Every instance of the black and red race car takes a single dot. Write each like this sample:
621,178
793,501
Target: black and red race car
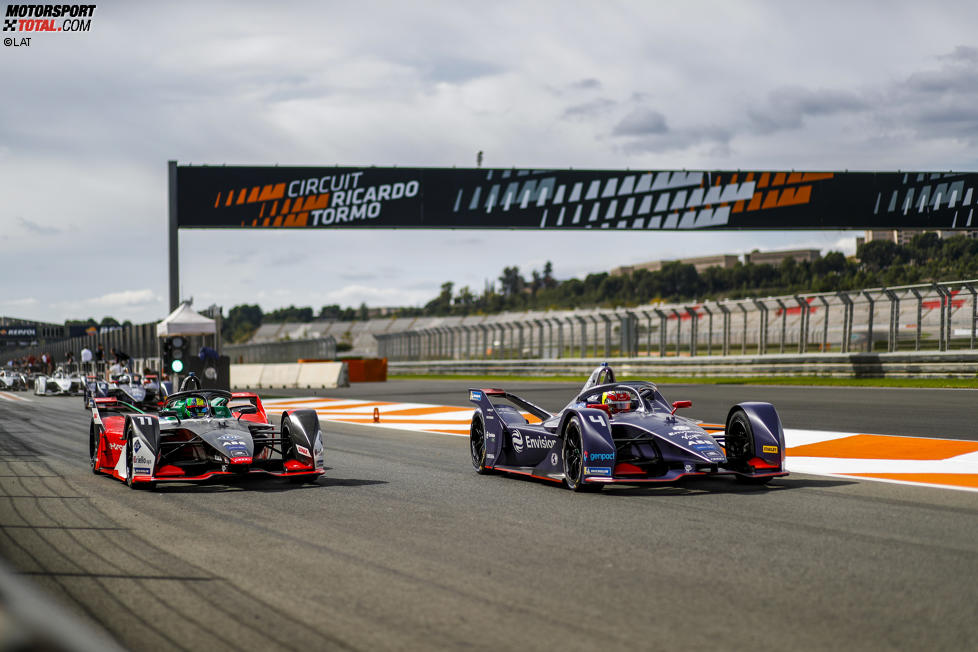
201,434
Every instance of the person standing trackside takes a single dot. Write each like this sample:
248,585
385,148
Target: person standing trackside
86,359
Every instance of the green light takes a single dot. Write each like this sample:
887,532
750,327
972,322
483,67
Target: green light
176,366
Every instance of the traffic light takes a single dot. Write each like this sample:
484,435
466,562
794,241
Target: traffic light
167,353
173,354
177,345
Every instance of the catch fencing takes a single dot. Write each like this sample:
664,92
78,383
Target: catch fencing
925,317
323,348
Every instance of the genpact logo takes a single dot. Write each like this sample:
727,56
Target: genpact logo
598,457
517,438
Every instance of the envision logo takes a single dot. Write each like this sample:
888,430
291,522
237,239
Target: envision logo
517,438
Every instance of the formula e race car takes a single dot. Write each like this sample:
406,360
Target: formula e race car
621,432
12,381
126,387
60,382
200,434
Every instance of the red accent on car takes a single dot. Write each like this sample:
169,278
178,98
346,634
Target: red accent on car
599,406
680,404
296,465
240,460
758,463
624,468
170,470
106,401
494,392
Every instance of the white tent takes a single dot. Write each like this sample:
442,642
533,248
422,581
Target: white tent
185,321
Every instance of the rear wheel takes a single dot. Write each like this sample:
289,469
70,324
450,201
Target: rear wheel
477,445
573,454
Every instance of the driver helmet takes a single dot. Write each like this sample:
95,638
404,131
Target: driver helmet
617,401
192,408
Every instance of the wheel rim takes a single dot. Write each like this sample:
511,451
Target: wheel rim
572,454
477,444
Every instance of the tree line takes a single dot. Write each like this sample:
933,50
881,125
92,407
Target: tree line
878,263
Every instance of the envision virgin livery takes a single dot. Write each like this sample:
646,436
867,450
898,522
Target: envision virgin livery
621,432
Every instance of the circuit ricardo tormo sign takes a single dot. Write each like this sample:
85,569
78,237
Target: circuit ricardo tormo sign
454,198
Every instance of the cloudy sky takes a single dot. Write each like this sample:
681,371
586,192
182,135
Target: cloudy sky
88,122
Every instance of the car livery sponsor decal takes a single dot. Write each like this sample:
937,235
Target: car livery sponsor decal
475,396
539,442
141,470
136,446
770,449
598,457
598,470
553,459
517,438
303,450
680,428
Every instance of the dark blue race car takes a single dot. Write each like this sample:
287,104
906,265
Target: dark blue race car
621,432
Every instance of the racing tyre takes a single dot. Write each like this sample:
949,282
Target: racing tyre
572,452
477,445
94,446
740,445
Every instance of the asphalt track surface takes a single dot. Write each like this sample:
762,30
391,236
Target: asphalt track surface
402,546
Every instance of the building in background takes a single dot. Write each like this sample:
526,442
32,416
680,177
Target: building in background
701,263
777,257
904,236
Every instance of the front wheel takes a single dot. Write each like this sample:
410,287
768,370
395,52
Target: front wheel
573,454
740,446
95,445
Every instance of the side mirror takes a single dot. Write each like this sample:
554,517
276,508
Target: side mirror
168,413
680,404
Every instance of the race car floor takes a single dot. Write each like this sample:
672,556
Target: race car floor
933,462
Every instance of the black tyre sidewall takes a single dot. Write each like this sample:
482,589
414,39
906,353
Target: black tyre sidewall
573,429
478,465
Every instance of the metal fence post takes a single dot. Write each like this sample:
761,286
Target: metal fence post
662,332
974,312
941,344
784,323
679,329
803,325
762,327
709,329
726,328
693,330
872,310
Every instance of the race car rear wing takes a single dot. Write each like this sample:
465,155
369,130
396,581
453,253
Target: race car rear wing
478,395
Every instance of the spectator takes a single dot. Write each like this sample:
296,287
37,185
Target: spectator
120,356
207,353
100,353
86,359
115,369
